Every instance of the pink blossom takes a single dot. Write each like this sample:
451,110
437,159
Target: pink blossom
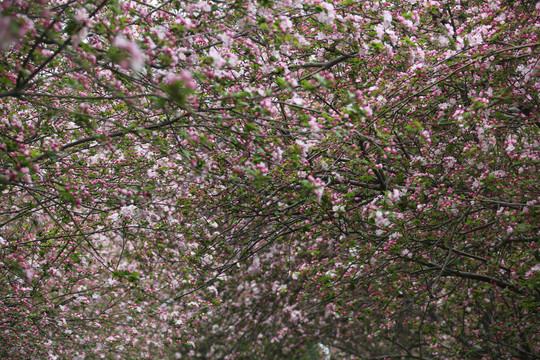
81,14
319,187
285,23
262,168
29,272
387,19
217,60
136,56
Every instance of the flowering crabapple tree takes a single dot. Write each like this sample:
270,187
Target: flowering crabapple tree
269,179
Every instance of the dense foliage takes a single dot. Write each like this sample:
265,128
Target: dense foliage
269,179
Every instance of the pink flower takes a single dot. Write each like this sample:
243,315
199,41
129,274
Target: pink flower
29,272
387,19
285,23
188,80
217,59
13,28
262,168
319,187
81,15
314,126
136,56
380,220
